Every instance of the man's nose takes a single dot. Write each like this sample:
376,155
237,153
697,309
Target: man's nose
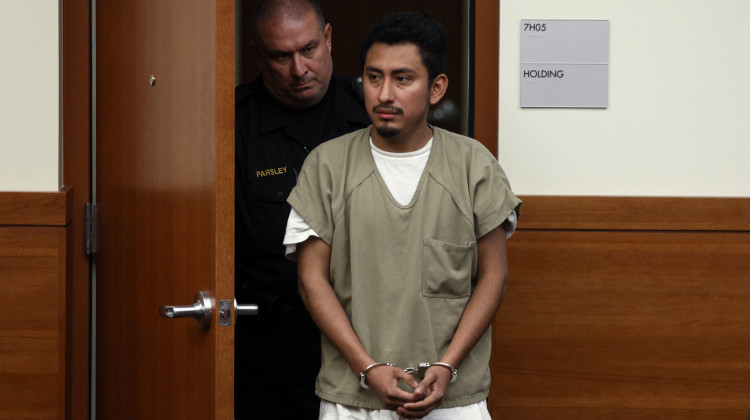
299,68
386,92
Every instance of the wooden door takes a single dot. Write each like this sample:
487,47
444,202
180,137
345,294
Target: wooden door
164,188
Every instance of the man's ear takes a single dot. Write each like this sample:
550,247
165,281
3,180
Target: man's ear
329,39
438,88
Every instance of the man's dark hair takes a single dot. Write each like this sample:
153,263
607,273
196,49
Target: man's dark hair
410,27
271,9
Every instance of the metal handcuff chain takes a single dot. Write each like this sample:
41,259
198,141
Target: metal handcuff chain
418,372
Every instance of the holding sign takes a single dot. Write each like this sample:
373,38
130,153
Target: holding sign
564,63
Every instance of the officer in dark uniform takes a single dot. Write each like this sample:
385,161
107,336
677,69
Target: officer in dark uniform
296,104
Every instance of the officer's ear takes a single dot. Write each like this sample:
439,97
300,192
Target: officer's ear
328,34
359,90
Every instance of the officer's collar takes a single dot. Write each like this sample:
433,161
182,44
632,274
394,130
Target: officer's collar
344,109
272,114
274,117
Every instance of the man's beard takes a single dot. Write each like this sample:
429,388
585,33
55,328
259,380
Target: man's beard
384,130
387,132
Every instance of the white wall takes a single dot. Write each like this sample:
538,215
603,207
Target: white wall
678,121
29,95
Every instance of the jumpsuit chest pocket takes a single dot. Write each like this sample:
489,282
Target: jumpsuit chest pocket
447,269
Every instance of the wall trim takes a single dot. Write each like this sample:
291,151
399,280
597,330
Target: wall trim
36,208
635,213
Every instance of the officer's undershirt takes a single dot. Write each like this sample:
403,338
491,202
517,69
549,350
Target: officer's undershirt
400,172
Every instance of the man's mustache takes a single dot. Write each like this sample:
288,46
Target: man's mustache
387,109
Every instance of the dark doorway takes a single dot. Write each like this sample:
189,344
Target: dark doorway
350,23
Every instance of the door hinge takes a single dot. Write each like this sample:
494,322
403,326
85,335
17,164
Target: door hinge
91,228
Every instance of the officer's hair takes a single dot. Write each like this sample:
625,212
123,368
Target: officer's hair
267,10
410,27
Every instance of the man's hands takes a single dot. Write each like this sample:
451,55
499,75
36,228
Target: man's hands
435,383
427,395
383,380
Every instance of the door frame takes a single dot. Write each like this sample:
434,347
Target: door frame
485,80
75,147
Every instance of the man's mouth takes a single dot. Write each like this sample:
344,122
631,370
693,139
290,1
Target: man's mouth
386,111
302,83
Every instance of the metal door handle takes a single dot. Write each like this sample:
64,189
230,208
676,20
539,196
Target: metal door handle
244,309
201,310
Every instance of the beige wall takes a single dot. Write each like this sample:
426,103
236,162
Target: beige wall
676,124
29,95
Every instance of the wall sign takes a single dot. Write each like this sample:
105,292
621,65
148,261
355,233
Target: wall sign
564,63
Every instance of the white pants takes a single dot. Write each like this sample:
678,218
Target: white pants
331,411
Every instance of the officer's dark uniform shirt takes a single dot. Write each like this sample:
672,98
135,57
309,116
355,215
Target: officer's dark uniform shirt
271,144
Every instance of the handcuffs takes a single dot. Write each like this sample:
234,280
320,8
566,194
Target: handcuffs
419,372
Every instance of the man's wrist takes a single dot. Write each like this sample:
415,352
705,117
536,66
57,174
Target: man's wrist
363,374
454,371
424,366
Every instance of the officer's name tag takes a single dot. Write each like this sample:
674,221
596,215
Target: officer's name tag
270,172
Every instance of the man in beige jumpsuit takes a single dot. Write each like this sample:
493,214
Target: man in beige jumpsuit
401,231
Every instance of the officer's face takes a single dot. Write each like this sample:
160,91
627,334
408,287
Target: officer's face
295,60
398,92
